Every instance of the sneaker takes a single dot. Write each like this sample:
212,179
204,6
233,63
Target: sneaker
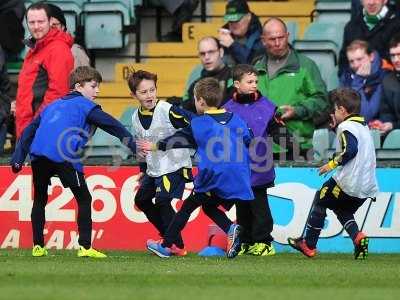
91,252
159,250
301,245
38,251
233,241
176,251
244,248
261,249
360,246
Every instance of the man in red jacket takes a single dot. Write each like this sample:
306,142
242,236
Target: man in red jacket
47,65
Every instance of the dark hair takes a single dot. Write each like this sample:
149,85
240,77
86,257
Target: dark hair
83,74
242,69
209,89
57,13
359,44
394,41
346,97
38,6
210,38
136,77
276,19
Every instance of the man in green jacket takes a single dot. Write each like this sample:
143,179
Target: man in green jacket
293,82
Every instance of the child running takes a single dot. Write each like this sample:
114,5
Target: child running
55,141
354,180
164,173
221,139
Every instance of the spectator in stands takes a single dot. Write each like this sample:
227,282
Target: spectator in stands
47,65
376,24
57,21
182,12
293,82
211,54
241,36
365,76
389,113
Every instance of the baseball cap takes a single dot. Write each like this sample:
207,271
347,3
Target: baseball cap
235,10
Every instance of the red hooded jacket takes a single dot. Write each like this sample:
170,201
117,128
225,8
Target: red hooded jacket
43,77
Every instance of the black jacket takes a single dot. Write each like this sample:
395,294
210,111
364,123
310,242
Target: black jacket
5,87
224,77
378,37
390,102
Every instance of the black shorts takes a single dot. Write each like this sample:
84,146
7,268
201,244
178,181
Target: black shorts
170,185
43,169
333,197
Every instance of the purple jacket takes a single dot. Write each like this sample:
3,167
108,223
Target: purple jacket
257,115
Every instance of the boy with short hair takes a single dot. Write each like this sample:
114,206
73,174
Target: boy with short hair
221,139
164,173
255,216
352,184
55,141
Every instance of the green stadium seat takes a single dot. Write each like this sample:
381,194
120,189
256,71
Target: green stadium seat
323,53
103,144
326,31
104,23
293,29
194,75
332,11
323,144
391,146
126,118
376,137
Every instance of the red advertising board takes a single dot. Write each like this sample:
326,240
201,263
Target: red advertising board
117,223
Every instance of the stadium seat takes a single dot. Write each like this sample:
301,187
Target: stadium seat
126,118
103,144
326,31
292,28
194,75
331,11
392,140
104,24
323,144
376,137
391,146
323,53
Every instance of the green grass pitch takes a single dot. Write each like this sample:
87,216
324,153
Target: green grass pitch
139,275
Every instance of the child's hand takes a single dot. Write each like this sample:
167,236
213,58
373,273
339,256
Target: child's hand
324,169
287,112
145,146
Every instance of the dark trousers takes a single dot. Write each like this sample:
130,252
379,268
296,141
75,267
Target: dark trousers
160,213
209,203
343,205
42,170
255,218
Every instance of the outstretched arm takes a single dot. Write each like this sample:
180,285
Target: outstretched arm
112,126
23,145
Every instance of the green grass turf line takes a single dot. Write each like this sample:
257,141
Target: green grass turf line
139,275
